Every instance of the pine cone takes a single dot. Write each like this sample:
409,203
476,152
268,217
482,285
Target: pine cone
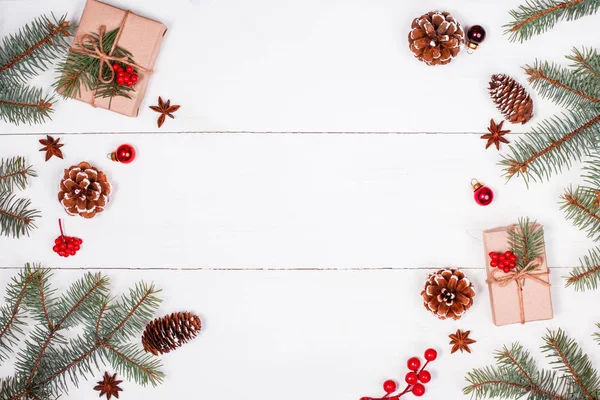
511,99
84,190
170,332
448,293
435,37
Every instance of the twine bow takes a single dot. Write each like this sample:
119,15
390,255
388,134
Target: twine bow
519,278
86,44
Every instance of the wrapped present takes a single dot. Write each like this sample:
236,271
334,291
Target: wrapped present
520,287
140,37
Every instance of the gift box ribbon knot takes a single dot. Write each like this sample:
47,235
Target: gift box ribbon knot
519,278
87,45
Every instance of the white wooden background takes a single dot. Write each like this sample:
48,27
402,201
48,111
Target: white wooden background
304,250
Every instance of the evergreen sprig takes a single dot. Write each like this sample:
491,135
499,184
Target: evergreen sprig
17,218
14,173
587,275
516,374
538,16
527,243
80,71
556,143
49,361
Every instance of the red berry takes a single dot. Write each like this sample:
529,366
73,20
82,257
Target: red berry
129,69
430,354
79,241
513,258
506,269
134,78
121,74
389,386
411,378
493,256
55,249
418,390
413,363
493,263
72,252
507,254
512,265
506,263
58,240
70,246
121,81
424,376
62,247
501,258
115,66
129,83
77,247
61,253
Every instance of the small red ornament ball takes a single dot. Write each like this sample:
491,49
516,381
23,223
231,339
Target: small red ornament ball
418,390
483,195
413,363
411,378
389,386
476,34
424,376
430,354
125,154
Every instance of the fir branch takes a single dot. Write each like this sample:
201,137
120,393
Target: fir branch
582,207
31,50
135,364
586,62
16,216
538,16
527,243
14,173
20,104
587,275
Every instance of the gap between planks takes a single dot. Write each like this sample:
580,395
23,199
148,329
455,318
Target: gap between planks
245,132
255,269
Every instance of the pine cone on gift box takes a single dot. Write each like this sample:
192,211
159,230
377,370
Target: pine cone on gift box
448,293
435,38
84,190
170,332
511,99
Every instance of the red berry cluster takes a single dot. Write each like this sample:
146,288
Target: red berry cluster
66,246
505,261
415,378
125,76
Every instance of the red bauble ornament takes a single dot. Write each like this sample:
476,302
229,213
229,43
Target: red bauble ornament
389,386
125,154
418,390
430,354
413,363
483,194
411,378
424,376
475,35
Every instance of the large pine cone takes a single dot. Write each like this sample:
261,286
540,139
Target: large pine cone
448,293
84,190
170,332
511,99
435,37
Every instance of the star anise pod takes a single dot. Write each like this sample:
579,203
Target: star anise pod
165,109
51,147
109,386
496,135
460,341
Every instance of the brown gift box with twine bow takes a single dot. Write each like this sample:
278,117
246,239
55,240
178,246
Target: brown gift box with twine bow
514,297
140,36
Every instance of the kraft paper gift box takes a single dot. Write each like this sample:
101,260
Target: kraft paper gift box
507,306
140,36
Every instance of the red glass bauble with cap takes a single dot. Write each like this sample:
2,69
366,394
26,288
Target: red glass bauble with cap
483,194
125,154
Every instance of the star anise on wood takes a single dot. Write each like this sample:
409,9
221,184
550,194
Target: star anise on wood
165,109
496,135
51,147
460,341
109,386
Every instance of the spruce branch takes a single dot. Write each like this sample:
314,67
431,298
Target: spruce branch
14,173
586,62
527,243
587,275
17,218
22,104
538,16
582,207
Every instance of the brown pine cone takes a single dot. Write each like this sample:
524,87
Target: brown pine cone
448,293
170,332
84,190
511,99
435,37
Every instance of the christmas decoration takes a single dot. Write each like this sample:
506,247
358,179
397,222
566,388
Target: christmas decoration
66,246
435,38
475,35
51,147
52,356
538,16
106,36
165,109
587,275
460,341
504,261
448,293
511,99
23,56
517,375
496,135
523,293
17,218
125,76
483,195
415,378
84,190
165,334
109,386
125,154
